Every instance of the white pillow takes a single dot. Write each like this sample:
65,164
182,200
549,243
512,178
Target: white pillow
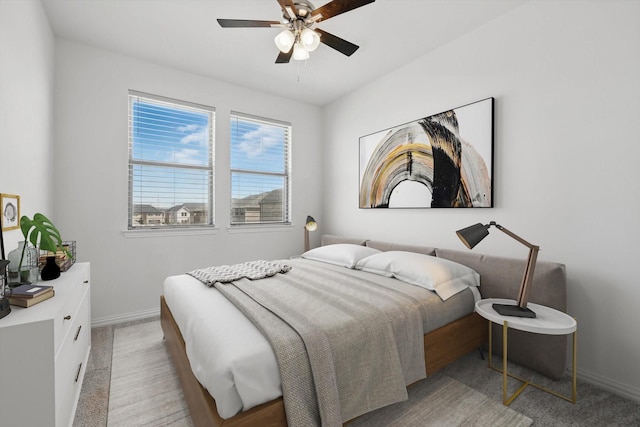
344,254
445,277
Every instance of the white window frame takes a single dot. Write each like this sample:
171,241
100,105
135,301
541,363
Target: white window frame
285,174
208,167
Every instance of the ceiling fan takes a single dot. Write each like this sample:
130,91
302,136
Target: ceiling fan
300,35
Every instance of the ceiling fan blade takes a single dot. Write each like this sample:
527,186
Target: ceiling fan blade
336,7
290,8
246,23
337,43
284,57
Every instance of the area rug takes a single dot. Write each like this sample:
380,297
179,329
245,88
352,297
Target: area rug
145,391
443,401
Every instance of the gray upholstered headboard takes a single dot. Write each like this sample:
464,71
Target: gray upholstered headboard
328,239
500,277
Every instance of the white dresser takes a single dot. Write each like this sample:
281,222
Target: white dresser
43,354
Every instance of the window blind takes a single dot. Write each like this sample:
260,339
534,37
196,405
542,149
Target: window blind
260,167
171,164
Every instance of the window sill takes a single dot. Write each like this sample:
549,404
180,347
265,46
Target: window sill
258,228
169,232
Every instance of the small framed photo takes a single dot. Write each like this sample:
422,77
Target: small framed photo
10,211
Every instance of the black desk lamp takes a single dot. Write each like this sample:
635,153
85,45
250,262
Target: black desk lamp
310,225
472,235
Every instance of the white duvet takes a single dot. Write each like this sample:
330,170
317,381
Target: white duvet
235,363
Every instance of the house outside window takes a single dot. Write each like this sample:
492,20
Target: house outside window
260,170
170,163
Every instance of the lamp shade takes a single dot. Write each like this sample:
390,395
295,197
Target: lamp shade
473,234
311,224
299,52
285,40
310,39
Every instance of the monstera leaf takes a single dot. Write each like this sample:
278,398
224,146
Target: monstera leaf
41,232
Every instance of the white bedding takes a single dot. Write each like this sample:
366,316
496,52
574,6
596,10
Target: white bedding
228,355
235,363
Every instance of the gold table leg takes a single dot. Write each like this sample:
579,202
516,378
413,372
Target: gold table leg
507,400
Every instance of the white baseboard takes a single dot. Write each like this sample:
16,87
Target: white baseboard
105,321
609,385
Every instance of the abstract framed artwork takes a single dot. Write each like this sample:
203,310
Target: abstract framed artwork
439,161
10,211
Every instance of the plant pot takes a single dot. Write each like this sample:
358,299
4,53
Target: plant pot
51,270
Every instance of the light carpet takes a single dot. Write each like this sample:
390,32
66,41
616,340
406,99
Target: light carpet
145,391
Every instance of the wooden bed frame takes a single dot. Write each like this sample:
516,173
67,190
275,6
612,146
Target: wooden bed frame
441,347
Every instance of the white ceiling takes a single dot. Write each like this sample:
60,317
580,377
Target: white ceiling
184,34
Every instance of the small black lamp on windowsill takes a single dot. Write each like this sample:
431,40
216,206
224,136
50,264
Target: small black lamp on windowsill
472,235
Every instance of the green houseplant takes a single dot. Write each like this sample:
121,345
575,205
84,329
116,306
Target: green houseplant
41,232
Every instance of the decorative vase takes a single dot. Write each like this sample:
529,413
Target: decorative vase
51,270
27,272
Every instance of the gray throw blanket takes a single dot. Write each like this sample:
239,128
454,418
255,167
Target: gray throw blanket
228,273
345,346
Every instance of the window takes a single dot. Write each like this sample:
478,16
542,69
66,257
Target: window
260,165
170,162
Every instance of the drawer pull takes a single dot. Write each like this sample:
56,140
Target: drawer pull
78,374
77,333
67,317
86,281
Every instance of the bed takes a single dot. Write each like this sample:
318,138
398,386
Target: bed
447,336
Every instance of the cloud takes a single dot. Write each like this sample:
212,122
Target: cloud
256,142
199,135
189,128
199,138
189,156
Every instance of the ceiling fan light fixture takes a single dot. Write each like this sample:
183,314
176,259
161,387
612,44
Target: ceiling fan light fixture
300,35
285,40
299,52
310,39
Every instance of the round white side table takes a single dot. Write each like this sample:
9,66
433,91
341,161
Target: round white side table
548,321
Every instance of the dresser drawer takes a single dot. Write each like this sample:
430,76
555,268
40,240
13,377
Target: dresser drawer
71,361
73,292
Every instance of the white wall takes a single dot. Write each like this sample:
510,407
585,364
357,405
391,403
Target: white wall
564,75
91,163
565,78
26,109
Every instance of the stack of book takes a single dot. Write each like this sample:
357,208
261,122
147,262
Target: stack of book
28,295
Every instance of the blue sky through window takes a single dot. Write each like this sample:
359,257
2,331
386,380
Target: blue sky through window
260,148
170,135
166,141
257,147
171,155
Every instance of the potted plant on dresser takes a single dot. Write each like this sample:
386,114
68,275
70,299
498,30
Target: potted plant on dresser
41,232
